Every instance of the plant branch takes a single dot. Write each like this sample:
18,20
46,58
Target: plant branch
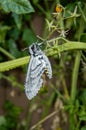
7,53
75,75
8,65
54,50
82,13
43,120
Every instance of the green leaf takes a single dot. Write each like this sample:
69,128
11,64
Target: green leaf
3,31
83,118
83,96
13,48
17,6
28,36
17,19
14,33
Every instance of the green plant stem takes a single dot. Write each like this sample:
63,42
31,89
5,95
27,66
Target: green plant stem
61,22
14,82
41,9
66,94
66,47
48,105
29,115
78,57
5,66
58,93
73,89
8,65
75,76
7,53
72,115
82,13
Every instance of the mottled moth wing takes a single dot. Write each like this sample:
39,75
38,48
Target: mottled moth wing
37,66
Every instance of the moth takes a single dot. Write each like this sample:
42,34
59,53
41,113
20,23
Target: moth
38,65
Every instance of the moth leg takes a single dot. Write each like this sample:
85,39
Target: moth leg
46,71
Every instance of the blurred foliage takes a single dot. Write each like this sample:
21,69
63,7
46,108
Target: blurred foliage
66,19
10,120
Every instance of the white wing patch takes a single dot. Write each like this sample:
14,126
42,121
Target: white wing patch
37,66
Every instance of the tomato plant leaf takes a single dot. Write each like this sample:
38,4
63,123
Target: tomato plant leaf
17,6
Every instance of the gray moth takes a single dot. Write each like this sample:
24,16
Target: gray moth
38,64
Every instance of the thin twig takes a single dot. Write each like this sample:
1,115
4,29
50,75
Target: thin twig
43,120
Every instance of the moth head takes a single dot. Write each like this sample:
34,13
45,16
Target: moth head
34,49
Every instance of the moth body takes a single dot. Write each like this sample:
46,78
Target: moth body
38,64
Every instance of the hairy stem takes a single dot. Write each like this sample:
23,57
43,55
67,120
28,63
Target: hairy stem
54,50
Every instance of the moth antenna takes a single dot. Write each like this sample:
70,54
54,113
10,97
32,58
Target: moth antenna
25,49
